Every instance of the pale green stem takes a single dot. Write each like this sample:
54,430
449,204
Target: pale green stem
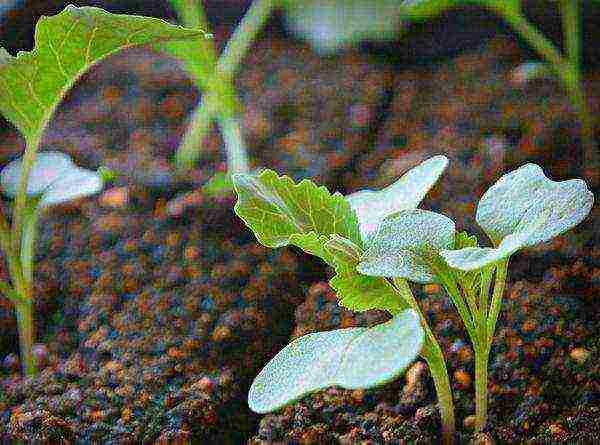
30,221
572,31
31,149
496,305
454,293
244,35
484,292
224,70
481,382
237,156
26,335
567,72
433,355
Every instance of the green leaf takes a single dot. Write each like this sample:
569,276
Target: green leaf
281,213
469,279
405,243
521,209
355,291
218,185
350,358
66,46
329,25
53,177
421,10
406,193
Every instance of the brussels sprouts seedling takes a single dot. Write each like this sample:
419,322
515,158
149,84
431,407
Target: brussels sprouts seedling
32,85
339,230
522,209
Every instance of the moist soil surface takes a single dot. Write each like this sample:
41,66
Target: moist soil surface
155,307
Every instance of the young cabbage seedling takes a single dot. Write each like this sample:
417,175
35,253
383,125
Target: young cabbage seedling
522,209
32,85
54,179
340,230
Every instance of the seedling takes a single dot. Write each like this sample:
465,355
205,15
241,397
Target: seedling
397,243
566,65
337,230
32,85
522,209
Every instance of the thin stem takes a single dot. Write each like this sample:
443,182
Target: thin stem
237,156
31,149
432,353
30,221
496,305
572,30
26,335
481,382
223,103
567,72
244,35
459,302
484,291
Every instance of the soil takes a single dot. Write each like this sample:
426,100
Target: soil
156,307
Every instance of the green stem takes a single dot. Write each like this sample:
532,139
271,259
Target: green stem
433,355
30,221
244,35
31,149
481,382
222,102
496,305
572,30
237,156
26,335
566,70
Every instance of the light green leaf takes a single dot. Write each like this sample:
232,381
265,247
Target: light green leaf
405,243
406,193
355,291
332,24
350,358
49,166
53,177
521,209
281,213
66,46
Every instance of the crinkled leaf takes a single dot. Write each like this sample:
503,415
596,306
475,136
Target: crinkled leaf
521,209
280,212
405,243
54,178
47,168
406,193
332,24
350,358
355,291
66,45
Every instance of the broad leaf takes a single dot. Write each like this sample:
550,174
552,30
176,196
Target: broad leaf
281,213
521,209
54,178
66,45
406,193
405,243
350,358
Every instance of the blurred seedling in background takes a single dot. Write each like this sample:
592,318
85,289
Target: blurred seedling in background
32,85
332,24
565,65
378,242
